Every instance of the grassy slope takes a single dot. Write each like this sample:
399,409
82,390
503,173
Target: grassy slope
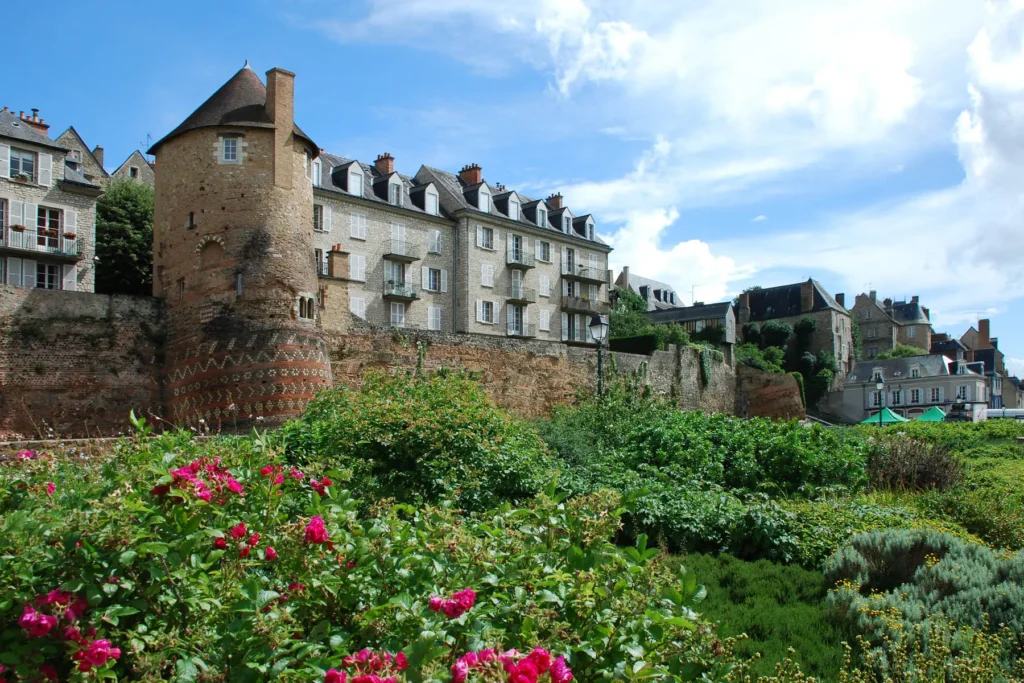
778,607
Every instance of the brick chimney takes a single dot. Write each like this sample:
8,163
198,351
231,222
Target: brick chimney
281,110
984,334
35,122
807,296
472,174
915,299
97,152
555,201
385,163
743,309
887,303
841,299
873,295
337,262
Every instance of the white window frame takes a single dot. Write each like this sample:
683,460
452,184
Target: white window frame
513,209
567,224
542,217
357,226
355,183
318,218
434,318
487,238
487,312
911,331
431,203
21,153
915,396
486,275
357,271
876,399
357,306
429,283
397,314
50,275
936,394
483,201
317,170
229,150
395,194
435,243
545,320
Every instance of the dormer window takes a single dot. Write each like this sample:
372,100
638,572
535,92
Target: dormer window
431,203
542,217
513,209
915,372
567,225
355,183
590,230
484,202
316,173
395,194
877,374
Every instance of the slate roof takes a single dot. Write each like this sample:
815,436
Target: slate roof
13,127
934,365
908,312
81,140
947,347
242,101
333,162
75,177
452,190
784,301
717,311
137,154
634,284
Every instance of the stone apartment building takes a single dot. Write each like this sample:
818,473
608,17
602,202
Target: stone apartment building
791,304
884,324
912,386
264,245
47,208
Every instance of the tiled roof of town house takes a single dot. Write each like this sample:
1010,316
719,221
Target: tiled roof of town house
452,193
934,365
331,162
908,312
75,177
242,101
785,301
686,313
635,282
13,127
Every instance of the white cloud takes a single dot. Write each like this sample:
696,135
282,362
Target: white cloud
1015,366
758,219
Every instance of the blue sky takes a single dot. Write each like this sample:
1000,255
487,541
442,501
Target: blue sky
719,145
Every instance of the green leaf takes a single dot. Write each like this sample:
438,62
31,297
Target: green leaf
154,548
127,557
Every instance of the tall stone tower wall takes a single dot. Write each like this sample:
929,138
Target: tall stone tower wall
233,257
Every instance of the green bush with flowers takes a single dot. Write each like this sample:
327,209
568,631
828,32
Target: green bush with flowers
168,559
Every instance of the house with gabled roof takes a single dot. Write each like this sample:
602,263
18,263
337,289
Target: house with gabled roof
87,162
136,168
658,295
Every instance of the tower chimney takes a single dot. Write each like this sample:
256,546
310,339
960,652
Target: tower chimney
385,164
555,201
873,295
97,152
472,174
841,299
806,296
984,332
281,110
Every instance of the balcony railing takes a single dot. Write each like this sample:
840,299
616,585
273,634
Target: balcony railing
322,268
517,292
521,329
584,304
584,272
399,290
34,240
518,257
404,252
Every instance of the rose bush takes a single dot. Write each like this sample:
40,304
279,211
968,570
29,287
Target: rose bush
167,559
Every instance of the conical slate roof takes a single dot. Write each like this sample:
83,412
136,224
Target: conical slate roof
242,101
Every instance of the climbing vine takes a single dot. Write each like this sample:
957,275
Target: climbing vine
706,356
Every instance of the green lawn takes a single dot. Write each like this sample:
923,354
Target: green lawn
779,607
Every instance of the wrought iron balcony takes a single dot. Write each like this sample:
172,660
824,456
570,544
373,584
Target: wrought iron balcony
584,304
400,291
588,273
519,294
40,241
403,252
521,329
518,258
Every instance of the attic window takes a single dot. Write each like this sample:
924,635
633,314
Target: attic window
355,183
484,201
567,225
430,205
513,209
590,231
133,171
316,173
542,217
395,194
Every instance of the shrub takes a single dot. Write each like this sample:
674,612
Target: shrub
906,464
187,589
752,334
776,333
750,354
901,351
415,439
888,581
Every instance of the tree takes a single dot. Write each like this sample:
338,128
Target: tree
124,239
776,333
901,351
629,316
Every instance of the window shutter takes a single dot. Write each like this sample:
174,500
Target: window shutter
536,248
565,287
70,220
565,326
327,218
28,273
14,271
479,311
565,259
17,209
31,216
545,321
46,169
479,235
497,238
545,285
483,274
70,278
5,161
444,280
509,319
425,274
579,326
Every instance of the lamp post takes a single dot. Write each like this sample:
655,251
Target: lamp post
880,385
599,330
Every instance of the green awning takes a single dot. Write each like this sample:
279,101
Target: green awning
888,418
933,414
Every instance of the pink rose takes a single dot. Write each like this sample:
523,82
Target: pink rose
220,543
95,653
560,672
335,676
270,553
234,486
239,531
523,672
75,611
460,671
50,488
254,539
316,532
436,603
244,552
36,624
401,663
49,671
540,658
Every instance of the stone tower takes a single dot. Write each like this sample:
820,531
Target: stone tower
233,257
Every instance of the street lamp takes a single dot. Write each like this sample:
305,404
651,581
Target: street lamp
599,330
880,385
